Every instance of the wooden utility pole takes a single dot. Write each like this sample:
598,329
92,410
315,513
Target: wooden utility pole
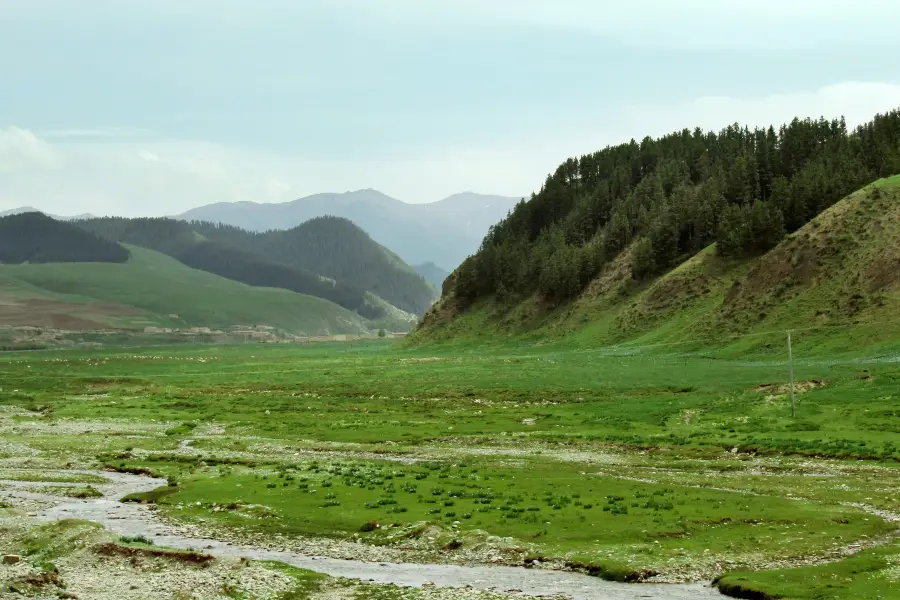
791,367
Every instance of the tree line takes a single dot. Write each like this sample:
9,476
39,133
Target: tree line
665,199
37,238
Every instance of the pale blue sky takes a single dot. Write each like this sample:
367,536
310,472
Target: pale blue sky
155,106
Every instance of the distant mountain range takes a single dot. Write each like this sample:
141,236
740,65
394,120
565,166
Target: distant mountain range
443,232
432,273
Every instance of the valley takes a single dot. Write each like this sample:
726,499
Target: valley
450,300
642,464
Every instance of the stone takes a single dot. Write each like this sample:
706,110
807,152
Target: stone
11,559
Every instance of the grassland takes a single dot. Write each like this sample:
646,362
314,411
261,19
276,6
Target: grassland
152,289
630,462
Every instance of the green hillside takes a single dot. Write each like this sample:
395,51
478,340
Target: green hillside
336,248
154,289
328,258
839,273
679,217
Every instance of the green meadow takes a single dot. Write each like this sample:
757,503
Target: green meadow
631,463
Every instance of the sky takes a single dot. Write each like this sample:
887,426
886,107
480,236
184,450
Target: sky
152,107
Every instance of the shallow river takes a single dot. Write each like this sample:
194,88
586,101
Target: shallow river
133,519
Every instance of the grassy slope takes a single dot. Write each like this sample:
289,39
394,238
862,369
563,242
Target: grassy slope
158,286
841,269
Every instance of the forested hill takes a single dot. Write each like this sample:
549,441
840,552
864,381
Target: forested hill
339,264
336,248
668,198
36,238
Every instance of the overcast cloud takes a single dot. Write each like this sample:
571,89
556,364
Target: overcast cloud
138,107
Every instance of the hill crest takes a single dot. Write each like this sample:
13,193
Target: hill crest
443,232
33,237
841,268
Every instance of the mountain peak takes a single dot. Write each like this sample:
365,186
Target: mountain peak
443,232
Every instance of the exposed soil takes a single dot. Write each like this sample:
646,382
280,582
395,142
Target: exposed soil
41,312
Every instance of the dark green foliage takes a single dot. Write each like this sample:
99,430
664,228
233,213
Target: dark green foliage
643,260
233,263
36,238
350,261
163,235
670,197
336,248
750,230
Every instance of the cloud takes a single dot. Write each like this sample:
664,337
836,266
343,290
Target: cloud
22,150
98,133
156,176
149,156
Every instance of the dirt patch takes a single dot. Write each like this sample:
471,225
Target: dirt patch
30,584
112,549
132,470
73,323
884,273
795,263
41,312
800,387
669,291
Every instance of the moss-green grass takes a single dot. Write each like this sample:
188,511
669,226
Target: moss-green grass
50,477
871,574
160,286
555,507
650,431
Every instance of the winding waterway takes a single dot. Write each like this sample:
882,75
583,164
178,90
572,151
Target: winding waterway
134,519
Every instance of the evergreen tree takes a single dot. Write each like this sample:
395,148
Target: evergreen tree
675,195
37,238
643,259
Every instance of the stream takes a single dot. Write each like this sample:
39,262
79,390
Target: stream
134,519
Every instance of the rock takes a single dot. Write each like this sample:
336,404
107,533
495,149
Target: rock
11,559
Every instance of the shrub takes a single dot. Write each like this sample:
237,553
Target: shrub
369,526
